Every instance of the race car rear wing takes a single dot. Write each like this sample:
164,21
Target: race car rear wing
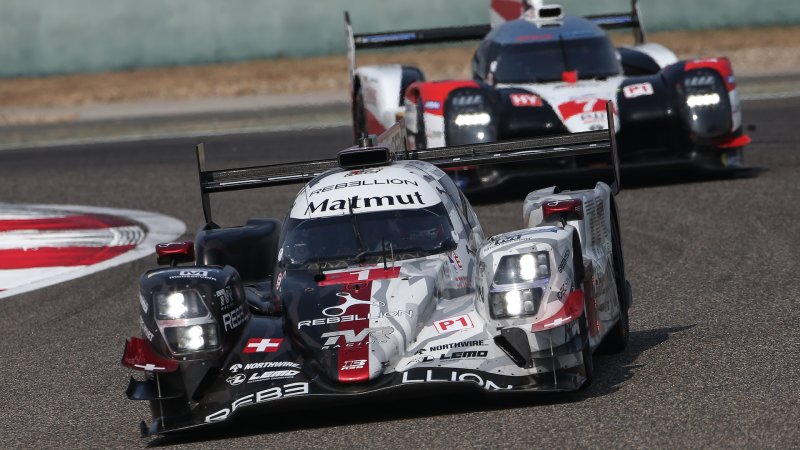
406,37
621,21
391,146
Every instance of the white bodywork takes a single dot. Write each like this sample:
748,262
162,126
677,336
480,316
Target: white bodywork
380,88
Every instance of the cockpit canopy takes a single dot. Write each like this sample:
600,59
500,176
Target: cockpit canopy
523,52
336,242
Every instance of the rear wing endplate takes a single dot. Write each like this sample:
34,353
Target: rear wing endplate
393,144
622,21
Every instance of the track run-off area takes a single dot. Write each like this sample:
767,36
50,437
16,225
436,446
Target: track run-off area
713,362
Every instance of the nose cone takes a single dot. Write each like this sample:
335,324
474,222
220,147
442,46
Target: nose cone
355,330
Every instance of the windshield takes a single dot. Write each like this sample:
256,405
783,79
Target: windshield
546,61
337,242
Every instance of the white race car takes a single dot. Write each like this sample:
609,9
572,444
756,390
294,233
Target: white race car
381,278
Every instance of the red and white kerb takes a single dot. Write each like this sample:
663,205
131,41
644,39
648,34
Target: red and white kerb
41,245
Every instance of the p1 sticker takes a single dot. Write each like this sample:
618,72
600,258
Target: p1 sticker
453,324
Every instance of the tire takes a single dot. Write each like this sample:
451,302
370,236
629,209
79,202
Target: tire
617,338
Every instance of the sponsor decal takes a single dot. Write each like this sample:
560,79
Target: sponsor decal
363,171
266,395
225,297
234,318
638,90
236,379
455,260
272,365
356,202
272,375
525,100
432,104
423,358
351,339
563,262
264,365
335,311
467,354
280,277
145,331
519,237
193,274
434,348
362,183
354,364
262,345
453,324
563,290
588,109
353,318
452,376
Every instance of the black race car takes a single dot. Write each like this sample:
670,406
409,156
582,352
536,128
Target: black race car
538,72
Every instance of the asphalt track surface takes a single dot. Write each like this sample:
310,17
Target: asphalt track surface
714,358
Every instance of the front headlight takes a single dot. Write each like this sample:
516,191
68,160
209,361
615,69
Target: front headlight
524,268
517,285
472,119
515,303
185,322
699,100
192,338
179,305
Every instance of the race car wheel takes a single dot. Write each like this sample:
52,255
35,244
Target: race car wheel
617,338
359,117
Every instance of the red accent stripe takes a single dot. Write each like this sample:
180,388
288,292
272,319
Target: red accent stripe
437,91
357,276
576,107
508,9
721,65
58,256
82,222
739,141
351,359
373,126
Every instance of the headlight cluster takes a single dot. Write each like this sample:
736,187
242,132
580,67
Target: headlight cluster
472,119
707,111
515,303
523,268
185,322
468,118
702,89
516,290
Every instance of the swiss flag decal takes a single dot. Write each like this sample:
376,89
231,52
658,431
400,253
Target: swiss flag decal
263,345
